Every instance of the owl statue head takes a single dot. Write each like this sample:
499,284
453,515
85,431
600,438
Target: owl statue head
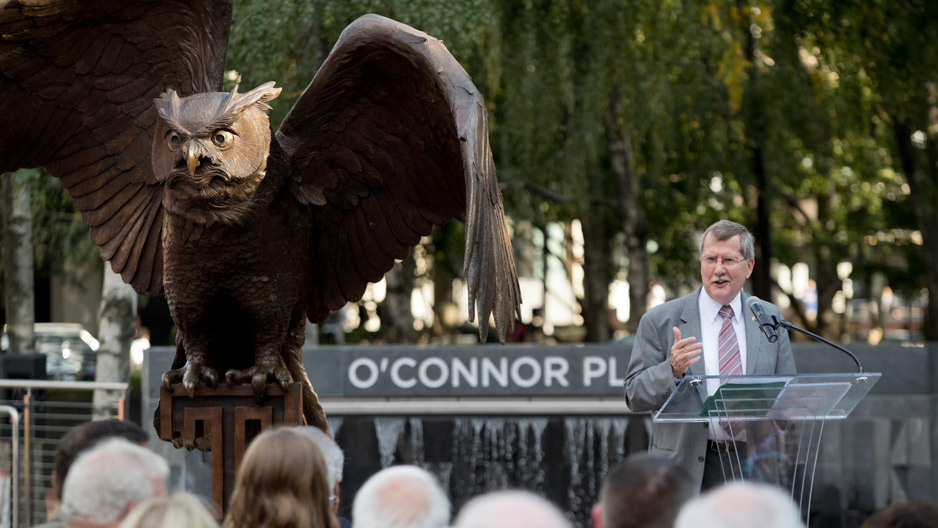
210,149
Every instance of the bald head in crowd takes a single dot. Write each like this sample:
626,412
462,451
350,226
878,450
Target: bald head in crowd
741,505
643,491
106,482
510,509
401,497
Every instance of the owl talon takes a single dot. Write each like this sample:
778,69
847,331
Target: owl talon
258,376
232,378
192,376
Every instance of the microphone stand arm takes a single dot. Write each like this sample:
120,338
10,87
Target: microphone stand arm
788,326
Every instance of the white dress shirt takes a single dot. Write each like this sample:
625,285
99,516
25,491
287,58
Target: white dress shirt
711,322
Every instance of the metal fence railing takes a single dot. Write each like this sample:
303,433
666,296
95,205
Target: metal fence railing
37,416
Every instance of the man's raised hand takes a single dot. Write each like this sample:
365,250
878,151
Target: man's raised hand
684,353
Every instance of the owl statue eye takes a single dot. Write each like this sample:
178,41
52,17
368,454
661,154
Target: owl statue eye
222,138
174,141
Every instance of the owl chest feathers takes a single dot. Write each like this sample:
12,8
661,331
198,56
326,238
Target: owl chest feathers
248,230
269,250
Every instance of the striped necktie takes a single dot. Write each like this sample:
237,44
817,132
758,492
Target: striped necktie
730,362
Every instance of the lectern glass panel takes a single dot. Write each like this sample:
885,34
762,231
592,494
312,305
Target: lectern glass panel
769,427
753,398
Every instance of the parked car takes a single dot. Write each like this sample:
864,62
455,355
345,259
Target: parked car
70,350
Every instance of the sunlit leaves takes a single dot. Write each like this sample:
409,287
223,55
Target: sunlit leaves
818,98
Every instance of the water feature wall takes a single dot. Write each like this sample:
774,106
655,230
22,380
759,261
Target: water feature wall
563,458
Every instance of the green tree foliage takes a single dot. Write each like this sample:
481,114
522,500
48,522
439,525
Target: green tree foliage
864,80
741,110
814,122
61,244
60,238
778,114
286,42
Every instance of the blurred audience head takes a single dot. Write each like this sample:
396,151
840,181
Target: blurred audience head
179,510
904,515
281,482
107,481
643,491
401,497
83,436
335,460
510,509
741,505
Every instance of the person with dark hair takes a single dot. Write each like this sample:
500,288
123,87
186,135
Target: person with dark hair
904,515
705,333
77,440
282,483
643,491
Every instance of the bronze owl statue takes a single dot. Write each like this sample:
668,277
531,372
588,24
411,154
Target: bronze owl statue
249,233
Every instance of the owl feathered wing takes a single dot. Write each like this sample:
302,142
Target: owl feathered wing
77,82
389,139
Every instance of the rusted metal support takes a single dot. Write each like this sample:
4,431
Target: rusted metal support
223,421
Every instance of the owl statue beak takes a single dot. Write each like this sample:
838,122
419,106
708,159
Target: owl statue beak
192,158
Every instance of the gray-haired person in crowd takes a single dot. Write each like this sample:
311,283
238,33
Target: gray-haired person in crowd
76,441
741,505
106,482
179,510
335,461
511,509
401,497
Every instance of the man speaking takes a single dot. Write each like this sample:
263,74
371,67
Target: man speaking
705,333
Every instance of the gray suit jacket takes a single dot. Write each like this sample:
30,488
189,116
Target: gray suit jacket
649,381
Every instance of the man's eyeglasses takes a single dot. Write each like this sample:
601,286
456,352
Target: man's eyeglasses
728,263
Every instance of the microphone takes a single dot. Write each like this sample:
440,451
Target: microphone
765,324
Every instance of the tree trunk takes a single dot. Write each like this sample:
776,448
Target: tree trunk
761,279
445,270
400,287
828,284
631,211
18,261
925,215
755,131
547,325
443,301
118,315
595,304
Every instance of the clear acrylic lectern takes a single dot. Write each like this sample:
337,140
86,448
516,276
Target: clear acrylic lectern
774,423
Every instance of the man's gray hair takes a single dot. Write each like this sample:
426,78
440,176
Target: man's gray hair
335,458
401,497
725,230
741,505
106,480
510,509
